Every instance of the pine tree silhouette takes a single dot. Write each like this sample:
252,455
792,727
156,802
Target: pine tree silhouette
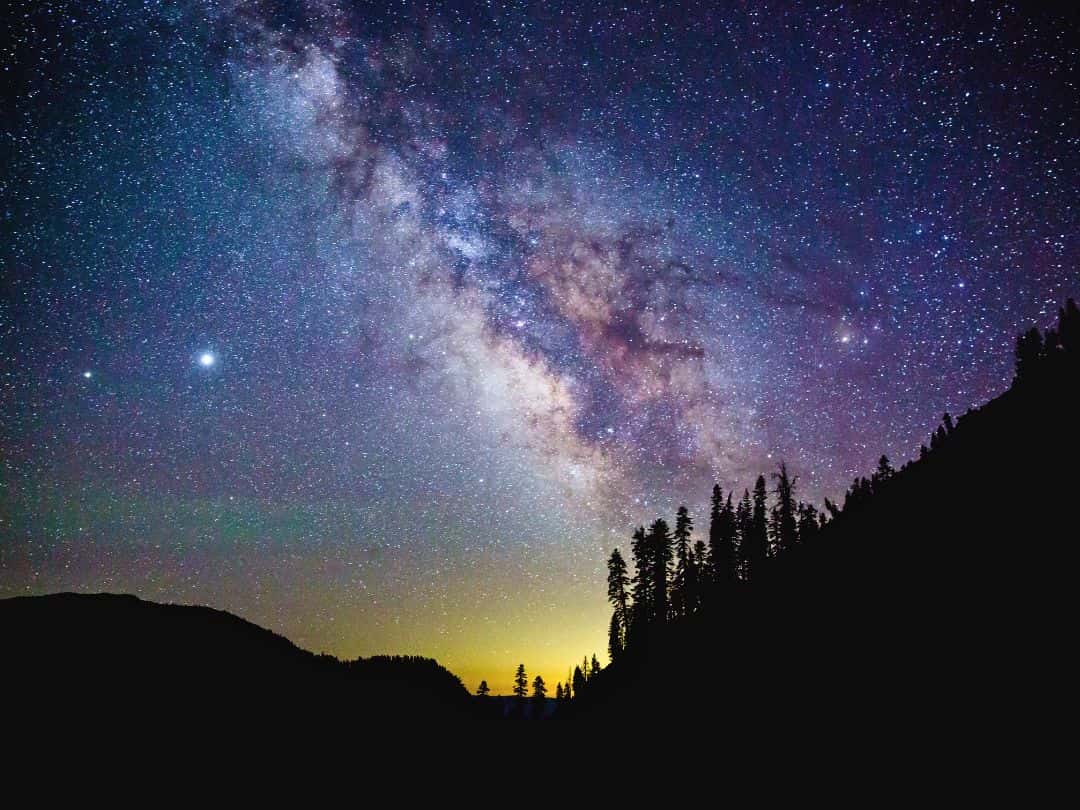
642,609
539,692
716,506
759,530
482,690
809,524
1069,328
723,540
744,522
521,684
579,682
785,528
679,581
698,576
1029,354
662,554
883,472
615,638
618,583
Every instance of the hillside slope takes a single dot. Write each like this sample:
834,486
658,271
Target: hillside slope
143,665
940,605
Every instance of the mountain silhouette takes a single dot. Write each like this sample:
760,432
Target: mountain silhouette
157,668
931,611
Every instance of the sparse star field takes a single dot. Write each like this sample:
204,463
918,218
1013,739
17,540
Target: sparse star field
380,324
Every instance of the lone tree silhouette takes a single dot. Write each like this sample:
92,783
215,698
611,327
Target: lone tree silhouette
539,692
521,684
482,690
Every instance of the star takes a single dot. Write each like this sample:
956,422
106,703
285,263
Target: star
207,359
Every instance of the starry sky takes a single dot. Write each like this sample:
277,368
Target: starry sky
380,324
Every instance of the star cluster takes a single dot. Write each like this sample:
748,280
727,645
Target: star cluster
380,324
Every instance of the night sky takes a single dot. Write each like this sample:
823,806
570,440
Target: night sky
381,324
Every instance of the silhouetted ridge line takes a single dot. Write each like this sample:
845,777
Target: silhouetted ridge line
935,587
144,662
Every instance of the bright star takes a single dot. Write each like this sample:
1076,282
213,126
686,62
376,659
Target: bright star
206,359
88,374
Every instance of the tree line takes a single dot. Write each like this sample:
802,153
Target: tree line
576,682
675,576
672,574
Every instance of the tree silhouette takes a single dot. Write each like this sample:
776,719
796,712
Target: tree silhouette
883,472
684,525
615,638
558,692
744,523
698,576
722,540
1069,328
784,523
1029,354
642,609
716,506
661,553
758,541
521,684
809,524
579,681
594,667
539,693
618,583
861,490
482,690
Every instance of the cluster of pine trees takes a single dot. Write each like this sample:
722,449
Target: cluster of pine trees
674,577
1038,357
575,683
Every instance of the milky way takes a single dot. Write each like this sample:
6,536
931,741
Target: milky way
381,325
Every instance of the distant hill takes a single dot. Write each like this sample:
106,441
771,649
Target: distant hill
147,665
